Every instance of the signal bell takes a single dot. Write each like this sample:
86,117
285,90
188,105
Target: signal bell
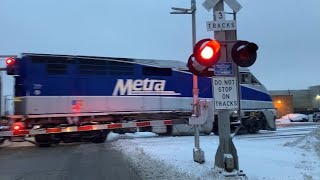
206,53
244,53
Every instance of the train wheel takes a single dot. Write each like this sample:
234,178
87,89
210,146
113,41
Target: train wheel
253,125
43,140
100,136
99,140
2,140
252,130
169,131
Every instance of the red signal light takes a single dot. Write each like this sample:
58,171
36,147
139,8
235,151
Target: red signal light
244,53
16,127
211,49
207,52
10,61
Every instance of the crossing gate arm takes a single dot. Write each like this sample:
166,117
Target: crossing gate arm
86,128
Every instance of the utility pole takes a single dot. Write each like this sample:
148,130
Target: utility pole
198,154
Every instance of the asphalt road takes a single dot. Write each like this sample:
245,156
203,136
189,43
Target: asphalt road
65,162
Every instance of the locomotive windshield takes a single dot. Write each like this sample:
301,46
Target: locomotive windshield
248,78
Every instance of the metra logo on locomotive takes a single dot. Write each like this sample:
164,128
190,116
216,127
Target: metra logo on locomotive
141,87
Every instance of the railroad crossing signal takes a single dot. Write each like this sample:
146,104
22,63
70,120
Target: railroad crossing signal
226,87
206,53
11,65
10,61
244,53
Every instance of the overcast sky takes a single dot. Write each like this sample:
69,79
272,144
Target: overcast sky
287,32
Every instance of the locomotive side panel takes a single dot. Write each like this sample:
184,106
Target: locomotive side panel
64,86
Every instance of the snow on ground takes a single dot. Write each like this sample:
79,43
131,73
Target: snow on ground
310,142
10,144
290,118
113,136
283,121
172,158
141,134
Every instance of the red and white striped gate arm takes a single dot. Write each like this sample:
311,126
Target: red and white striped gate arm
86,128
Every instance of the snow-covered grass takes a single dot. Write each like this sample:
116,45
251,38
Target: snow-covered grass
265,158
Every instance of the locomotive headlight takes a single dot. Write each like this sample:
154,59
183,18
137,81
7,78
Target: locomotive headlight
234,113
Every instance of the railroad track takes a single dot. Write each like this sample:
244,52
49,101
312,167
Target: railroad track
280,133
274,136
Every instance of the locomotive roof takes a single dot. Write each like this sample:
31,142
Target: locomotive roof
149,62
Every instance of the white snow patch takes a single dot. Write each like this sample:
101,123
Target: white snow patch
147,166
141,134
31,138
172,158
295,117
283,121
113,136
10,144
289,118
310,142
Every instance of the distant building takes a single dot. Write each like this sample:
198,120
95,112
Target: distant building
297,101
283,104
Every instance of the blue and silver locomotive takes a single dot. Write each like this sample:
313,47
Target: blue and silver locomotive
108,89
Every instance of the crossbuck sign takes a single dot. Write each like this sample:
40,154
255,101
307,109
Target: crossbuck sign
233,4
